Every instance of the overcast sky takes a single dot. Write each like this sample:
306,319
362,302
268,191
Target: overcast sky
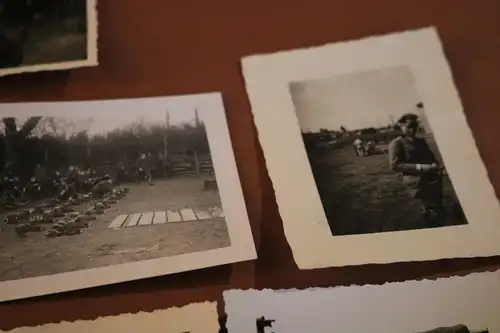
357,100
109,114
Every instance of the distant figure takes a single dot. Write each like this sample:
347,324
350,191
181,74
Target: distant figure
121,172
143,168
74,179
67,186
369,148
411,157
261,324
150,163
38,184
359,147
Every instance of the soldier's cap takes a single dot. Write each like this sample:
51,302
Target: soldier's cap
408,117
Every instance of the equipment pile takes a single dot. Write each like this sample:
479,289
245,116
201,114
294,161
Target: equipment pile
63,216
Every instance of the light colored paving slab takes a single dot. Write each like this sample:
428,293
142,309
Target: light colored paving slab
160,217
173,216
118,221
132,220
146,218
188,215
203,214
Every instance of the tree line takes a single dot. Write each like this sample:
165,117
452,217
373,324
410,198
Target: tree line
51,142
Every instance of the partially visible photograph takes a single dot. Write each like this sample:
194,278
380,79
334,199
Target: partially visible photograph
86,186
466,304
192,318
46,35
373,155
264,325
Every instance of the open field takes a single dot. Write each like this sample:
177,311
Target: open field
363,195
56,42
98,246
50,42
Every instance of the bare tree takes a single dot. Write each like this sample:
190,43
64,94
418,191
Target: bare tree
14,137
62,127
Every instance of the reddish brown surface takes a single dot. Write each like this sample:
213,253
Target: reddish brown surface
168,48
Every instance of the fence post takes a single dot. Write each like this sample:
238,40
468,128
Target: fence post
196,162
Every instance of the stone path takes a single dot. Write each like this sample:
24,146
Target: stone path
165,216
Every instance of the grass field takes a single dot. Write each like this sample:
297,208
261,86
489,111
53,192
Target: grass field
55,42
99,246
50,41
363,195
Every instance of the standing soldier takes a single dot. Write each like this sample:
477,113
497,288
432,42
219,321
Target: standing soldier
149,168
359,146
369,148
143,168
411,157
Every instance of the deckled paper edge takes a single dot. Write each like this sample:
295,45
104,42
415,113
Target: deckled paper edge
237,301
306,256
242,247
432,279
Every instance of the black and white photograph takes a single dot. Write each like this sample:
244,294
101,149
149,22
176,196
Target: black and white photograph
370,153
467,304
375,162
47,35
87,185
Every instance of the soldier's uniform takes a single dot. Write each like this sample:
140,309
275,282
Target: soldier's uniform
358,147
406,154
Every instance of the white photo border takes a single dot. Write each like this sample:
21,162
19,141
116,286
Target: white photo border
267,79
92,50
211,110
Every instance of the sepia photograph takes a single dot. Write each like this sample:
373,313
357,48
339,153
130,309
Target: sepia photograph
467,304
88,185
375,162
47,35
191,318
370,153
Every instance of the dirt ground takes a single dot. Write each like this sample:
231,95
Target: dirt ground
99,246
362,195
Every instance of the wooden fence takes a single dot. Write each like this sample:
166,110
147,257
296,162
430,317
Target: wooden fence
179,165
195,165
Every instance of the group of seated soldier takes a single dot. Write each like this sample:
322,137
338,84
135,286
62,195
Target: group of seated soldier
63,184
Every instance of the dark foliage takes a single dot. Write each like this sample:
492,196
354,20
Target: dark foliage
51,146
